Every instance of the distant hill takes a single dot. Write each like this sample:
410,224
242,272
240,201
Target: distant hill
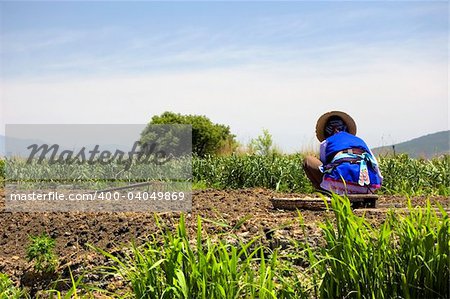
15,145
426,146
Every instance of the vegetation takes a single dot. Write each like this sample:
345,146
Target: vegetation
180,267
402,175
207,137
405,175
279,172
41,252
8,290
263,144
406,257
93,176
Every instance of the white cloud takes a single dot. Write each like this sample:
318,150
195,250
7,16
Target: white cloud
279,73
388,99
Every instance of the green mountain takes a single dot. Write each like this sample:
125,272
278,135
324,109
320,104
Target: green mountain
426,146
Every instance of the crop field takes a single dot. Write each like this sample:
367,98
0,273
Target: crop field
234,244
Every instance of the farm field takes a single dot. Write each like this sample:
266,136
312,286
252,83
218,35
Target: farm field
224,150
234,244
245,213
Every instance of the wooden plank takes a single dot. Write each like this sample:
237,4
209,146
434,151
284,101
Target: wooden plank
365,196
362,197
298,203
357,201
302,199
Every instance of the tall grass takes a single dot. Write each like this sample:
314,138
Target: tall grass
45,173
402,175
405,257
405,175
178,266
8,290
2,172
421,262
278,172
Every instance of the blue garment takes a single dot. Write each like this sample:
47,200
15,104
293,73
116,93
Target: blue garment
347,172
341,141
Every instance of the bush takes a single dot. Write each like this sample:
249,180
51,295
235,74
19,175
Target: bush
263,144
207,137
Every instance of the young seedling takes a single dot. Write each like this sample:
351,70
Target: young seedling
8,290
41,252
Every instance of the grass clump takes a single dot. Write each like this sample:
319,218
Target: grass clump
8,290
181,267
406,257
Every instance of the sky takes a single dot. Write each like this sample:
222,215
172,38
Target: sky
250,65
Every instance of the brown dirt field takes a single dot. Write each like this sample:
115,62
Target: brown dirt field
110,231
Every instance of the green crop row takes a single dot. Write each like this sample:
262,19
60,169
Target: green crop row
279,172
2,171
405,175
405,257
402,175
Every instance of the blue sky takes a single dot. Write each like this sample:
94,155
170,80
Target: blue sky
250,65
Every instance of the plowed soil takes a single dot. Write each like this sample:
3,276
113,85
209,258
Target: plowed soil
226,210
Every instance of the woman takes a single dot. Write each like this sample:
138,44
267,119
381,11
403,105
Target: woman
346,163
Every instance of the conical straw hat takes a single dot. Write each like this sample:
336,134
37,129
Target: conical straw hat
322,122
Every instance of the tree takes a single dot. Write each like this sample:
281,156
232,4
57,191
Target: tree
207,137
263,144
